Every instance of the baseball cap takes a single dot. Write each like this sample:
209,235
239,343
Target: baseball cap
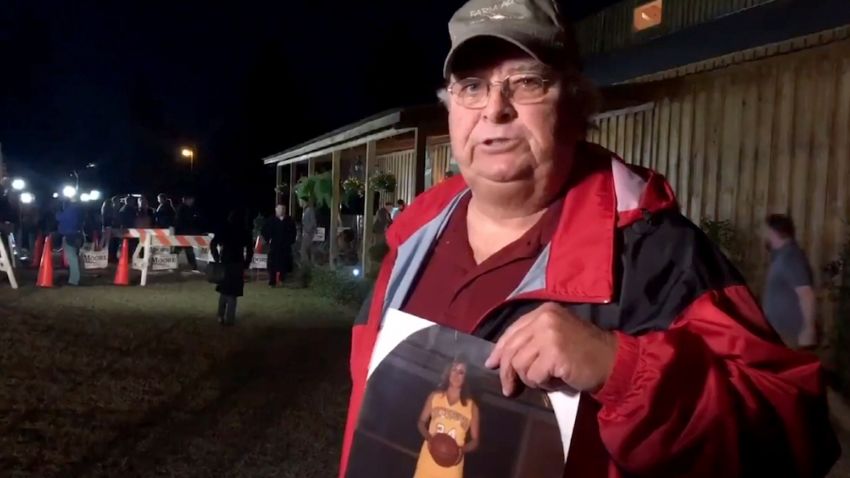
535,26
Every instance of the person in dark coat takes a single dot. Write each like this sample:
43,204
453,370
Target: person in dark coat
164,215
279,232
236,252
187,223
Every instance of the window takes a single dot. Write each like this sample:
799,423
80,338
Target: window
648,15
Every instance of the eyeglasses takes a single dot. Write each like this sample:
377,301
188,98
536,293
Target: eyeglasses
520,88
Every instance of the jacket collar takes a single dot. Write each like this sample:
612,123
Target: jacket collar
604,194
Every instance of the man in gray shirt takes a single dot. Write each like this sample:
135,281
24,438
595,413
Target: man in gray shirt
789,299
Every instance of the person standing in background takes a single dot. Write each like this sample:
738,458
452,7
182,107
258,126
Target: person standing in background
789,297
383,221
187,223
309,225
164,215
111,222
144,215
398,209
128,212
280,233
71,226
7,214
235,255
29,226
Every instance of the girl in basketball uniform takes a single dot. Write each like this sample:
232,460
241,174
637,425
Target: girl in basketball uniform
452,411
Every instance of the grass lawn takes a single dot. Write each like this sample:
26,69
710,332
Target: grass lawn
110,382
123,382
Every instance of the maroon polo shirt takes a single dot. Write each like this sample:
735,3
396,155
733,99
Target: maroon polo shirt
454,291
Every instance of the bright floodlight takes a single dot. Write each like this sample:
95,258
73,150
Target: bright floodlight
69,191
356,272
27,198
19,184
85,197
94,195
187,153
55,195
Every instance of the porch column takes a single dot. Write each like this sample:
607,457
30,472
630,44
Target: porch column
311,167
278,181
335,172
292,198
368,207
419,153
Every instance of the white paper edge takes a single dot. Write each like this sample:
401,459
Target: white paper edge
395,328
565,405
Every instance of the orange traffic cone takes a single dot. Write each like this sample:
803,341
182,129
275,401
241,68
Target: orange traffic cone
35,259
45,270
258,247
122,275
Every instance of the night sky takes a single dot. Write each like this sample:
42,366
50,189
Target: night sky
126,84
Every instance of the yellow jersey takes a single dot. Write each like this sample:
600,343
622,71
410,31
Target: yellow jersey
453,420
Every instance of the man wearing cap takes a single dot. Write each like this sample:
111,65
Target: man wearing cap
586,276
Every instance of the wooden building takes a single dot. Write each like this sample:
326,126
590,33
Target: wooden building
744,105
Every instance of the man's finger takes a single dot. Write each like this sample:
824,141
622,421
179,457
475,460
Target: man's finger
522,362
496,354
507,375
508,345
539,372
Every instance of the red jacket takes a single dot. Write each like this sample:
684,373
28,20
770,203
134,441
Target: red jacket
701,386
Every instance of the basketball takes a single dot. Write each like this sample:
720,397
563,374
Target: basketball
444,450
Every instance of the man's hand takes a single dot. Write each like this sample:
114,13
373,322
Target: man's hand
550,347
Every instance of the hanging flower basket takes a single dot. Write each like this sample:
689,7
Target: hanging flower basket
383,182
352,191
353,185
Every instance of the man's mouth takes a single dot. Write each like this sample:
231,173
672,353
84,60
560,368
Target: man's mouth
497,145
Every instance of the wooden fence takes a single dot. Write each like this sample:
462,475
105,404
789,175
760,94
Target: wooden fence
770,136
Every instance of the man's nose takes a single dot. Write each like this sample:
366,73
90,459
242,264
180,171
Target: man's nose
499,108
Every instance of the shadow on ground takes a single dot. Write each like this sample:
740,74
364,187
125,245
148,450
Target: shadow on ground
103,381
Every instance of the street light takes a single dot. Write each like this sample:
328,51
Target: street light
18,184
189,153
85,197
94,195
69,191
55,195
27,198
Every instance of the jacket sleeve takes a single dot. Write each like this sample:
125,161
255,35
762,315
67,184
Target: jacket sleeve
716,395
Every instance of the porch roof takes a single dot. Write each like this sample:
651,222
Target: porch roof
429,118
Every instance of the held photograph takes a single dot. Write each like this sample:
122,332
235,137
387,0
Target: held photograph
431,410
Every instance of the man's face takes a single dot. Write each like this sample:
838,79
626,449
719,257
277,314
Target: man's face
190,202
506,143
771,238
279,211
161,199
